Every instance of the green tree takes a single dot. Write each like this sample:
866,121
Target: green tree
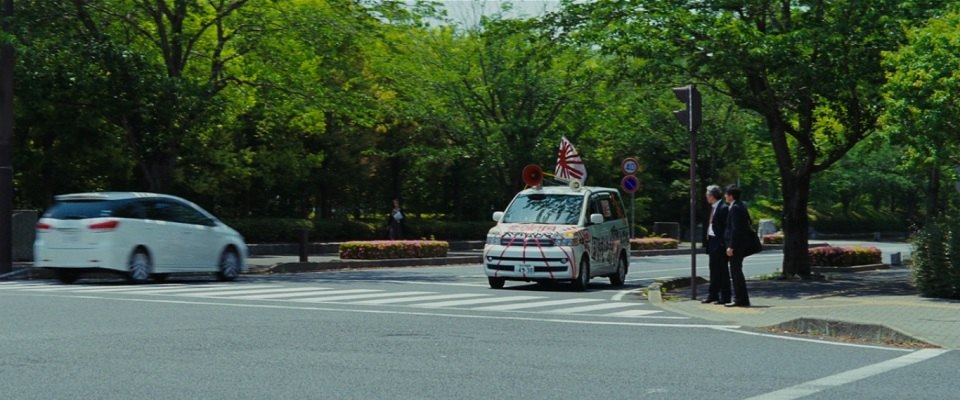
923,101
811,71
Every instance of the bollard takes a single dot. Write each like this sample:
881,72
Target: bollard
303,245
895,259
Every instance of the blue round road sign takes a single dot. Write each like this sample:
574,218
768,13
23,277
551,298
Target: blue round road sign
630,166
630,183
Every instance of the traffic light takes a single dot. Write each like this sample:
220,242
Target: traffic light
691,116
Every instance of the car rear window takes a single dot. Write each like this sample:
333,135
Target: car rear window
539,208
83,209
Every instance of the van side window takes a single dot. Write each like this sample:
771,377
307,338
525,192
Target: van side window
129,209
617,207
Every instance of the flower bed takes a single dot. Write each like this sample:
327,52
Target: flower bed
844,256
391,249
653,243
776,238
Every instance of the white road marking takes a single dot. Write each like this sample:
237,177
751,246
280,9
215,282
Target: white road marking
304,292
240,293
520,306
419,298
592,307
456,303
355,297
843,378
620,294
200,289
633,313
412,313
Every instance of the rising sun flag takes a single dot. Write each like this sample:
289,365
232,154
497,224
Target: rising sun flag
569,164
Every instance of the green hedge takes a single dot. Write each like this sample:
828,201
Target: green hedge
392,249
654,243
844,256
287,230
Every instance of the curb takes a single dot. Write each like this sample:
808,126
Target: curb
855,268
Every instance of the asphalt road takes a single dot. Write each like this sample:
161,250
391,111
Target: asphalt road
417,333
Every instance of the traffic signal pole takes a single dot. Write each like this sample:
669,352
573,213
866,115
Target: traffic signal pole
691,117
6,146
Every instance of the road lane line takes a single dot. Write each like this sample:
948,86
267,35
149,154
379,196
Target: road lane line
456,303
520,306
201,289
271,296
843,378
96,289
241,293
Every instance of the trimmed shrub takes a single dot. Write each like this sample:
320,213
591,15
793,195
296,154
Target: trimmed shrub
390,249
446,230
654,243
844,256
776,238
337,230
270,230
931,261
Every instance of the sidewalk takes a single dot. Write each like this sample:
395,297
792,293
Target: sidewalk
880,297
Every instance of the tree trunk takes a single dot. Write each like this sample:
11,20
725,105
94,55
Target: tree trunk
796,223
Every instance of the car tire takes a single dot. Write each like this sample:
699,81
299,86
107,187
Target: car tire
583,278
139,268
620,275
67,276
496,283
229,267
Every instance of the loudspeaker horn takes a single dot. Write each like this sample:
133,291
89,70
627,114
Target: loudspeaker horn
532,175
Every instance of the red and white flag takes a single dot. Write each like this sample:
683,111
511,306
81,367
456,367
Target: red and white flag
569,164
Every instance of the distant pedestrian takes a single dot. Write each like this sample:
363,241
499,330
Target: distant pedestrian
395,221
737,237
716,228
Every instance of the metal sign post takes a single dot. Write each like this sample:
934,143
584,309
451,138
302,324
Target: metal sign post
690,117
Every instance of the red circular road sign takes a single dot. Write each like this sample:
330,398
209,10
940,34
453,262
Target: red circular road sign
630,183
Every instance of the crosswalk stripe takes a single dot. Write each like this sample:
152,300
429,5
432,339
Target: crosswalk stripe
111,289
305,292
592,307
200,289
418,298
242,293
520,306
19,286
355,297
632,313
456,303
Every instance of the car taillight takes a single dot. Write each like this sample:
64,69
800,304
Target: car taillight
106,225
43,227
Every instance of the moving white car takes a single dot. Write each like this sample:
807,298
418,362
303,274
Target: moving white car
141,235
559,234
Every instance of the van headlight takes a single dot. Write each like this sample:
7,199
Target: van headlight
493,239
574,241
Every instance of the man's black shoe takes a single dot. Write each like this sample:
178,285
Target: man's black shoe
735,304
710,301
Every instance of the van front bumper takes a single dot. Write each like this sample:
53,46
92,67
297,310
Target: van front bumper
532,263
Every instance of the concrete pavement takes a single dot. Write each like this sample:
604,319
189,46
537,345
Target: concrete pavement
880,297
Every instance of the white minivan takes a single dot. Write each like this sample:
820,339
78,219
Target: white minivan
559,234
141,235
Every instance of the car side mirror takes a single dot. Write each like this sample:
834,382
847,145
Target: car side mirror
497,216
596,218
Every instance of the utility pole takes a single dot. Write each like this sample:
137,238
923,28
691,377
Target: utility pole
6,139
691,117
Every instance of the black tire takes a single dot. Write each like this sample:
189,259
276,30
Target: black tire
140,267
620,275
67,276
496,283
159,278
583,278
229,267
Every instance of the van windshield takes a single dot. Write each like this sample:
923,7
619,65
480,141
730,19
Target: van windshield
539,208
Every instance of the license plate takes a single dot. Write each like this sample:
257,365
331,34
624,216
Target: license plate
525,269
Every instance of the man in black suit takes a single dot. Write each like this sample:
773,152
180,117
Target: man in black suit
737,236
716,249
